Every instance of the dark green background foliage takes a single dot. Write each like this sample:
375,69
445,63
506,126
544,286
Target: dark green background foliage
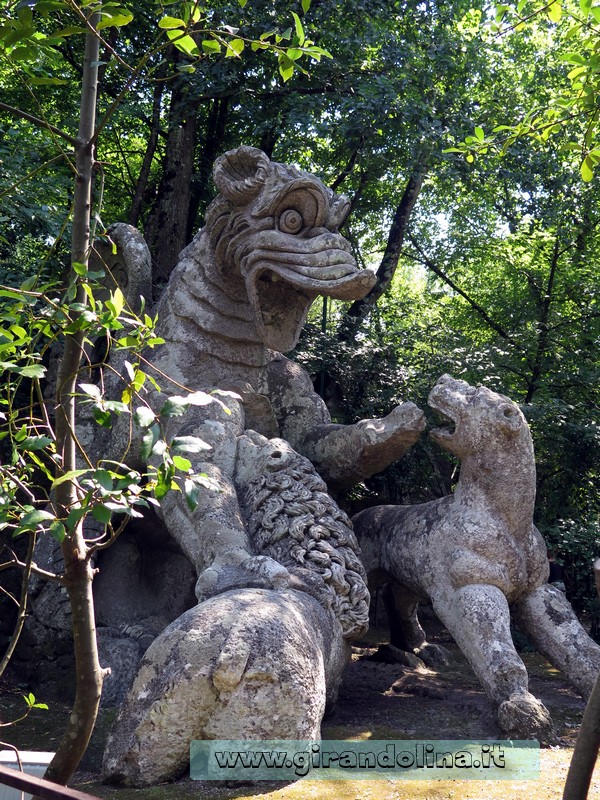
490,274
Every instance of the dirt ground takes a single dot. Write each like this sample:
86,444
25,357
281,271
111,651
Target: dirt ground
377,701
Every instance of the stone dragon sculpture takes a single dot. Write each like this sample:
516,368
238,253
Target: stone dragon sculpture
271,538
478,557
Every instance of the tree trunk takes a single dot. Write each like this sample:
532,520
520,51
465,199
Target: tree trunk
167,225
78,572
541,350
360,309
201,192
142,181
583,760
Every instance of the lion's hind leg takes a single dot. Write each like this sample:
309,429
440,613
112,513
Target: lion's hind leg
547,617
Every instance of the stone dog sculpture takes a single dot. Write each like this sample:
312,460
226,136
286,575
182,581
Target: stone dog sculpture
280,584
478,557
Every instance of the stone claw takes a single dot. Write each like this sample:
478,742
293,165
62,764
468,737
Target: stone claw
386,440
433,655
259,572
523,716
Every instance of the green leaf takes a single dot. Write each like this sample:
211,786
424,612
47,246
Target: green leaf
585,6
57,531
75,516
35,443
182,463
139,379
299,29
191,491
32,519
242,3
38,81
164,481
101,416
211,46
33,371
79,268
104,478
479,134
128,341
185,43
189,444
286,67
170,23
159,448
68,476
305,5
102,514
116,406
572,58
115,21
174,407
234,48
554,11
149,440
69,30
587,169
91,390
144,416
116,302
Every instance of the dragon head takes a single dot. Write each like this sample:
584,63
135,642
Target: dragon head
275,227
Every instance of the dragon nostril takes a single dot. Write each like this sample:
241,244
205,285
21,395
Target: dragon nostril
276,454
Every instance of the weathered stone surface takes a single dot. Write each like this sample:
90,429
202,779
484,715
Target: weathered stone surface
290,517
477,555
247,664
127,264
241,292
243,286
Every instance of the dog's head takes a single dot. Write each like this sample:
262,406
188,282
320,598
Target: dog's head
478,418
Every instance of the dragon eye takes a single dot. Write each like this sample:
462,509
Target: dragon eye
291,221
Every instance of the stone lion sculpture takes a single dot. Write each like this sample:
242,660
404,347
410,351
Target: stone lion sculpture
280,583
478,557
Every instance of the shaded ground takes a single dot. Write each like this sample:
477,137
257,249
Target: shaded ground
377,701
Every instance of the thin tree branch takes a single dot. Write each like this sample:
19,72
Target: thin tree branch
17,112
14,639
455,287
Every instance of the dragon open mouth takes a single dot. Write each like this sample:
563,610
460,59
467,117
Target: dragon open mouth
282,286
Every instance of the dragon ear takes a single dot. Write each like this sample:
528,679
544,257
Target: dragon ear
240,174
510,417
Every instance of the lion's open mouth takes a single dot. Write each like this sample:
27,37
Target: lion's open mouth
444,432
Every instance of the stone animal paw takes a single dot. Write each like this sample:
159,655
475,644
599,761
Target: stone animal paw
258,572
523,716
389,654
433,655
404,420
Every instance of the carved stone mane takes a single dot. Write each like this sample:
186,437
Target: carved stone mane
291,518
